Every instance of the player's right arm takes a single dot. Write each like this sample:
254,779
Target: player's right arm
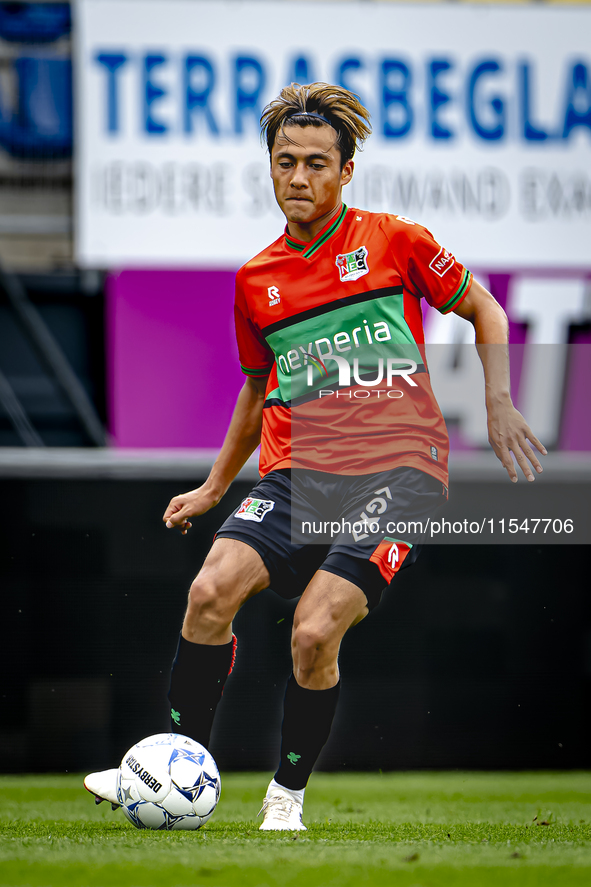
242,439
448,286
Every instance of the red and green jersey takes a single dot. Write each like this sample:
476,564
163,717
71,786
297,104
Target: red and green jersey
337,325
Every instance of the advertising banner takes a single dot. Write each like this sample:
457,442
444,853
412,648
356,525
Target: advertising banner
481,131
481,125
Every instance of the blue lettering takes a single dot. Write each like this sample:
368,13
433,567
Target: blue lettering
438,98
112,62
300,71
491,133
249,82
153,92
578,100
394,87
198,99
348,64
531,133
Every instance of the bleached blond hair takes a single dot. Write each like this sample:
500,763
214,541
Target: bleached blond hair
317,104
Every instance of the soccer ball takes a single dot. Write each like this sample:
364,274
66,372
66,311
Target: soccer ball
168,781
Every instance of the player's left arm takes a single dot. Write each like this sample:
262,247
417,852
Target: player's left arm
508,432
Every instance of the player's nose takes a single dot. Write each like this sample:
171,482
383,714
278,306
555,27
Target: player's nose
299,179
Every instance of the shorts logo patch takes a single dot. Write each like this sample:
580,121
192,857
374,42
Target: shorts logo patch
254,509
442,262
352,265
389,557
393,556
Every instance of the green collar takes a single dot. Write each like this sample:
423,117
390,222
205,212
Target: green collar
308,249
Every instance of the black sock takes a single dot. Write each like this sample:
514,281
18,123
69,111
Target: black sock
197,679
307,719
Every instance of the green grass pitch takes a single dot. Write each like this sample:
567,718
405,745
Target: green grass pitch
406,829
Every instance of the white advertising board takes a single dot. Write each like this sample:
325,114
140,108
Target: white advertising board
481,118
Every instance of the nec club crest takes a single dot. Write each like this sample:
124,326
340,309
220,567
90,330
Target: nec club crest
254,509
352,265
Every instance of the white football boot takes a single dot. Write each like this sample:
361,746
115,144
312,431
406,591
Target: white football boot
103,785
282,812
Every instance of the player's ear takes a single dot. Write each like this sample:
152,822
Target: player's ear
347,172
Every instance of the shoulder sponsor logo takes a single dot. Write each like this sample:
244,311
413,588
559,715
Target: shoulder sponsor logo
352,265
405,220
254,509
274,296
442,262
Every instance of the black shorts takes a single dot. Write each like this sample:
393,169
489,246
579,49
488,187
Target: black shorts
364,529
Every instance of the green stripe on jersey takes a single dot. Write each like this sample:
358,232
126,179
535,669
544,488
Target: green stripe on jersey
404,542
451,304
275,395
255,371
292,243
327,235
308,251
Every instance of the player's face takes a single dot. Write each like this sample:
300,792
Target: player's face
307,176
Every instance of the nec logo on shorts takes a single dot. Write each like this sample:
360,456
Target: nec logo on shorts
352,265
254,509
442,262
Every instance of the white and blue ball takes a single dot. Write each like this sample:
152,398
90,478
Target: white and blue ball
168,781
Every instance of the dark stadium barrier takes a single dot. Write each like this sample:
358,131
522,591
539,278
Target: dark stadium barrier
479,657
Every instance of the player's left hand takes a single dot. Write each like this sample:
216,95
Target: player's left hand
508,432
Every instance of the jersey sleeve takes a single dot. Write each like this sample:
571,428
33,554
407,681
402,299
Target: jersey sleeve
435,273
256,358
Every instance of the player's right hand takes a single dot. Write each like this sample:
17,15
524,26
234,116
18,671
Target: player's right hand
186,505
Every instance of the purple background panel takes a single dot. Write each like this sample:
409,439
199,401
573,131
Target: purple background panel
576,415
173,370
575,425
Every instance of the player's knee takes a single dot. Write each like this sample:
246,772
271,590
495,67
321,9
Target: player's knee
207,604
310,641
315,654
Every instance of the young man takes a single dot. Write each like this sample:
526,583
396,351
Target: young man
328,321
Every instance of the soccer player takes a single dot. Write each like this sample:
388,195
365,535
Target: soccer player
353,445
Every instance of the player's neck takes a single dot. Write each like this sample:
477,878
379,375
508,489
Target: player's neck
307,231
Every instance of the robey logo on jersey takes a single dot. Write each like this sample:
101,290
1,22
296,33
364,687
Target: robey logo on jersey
274,296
